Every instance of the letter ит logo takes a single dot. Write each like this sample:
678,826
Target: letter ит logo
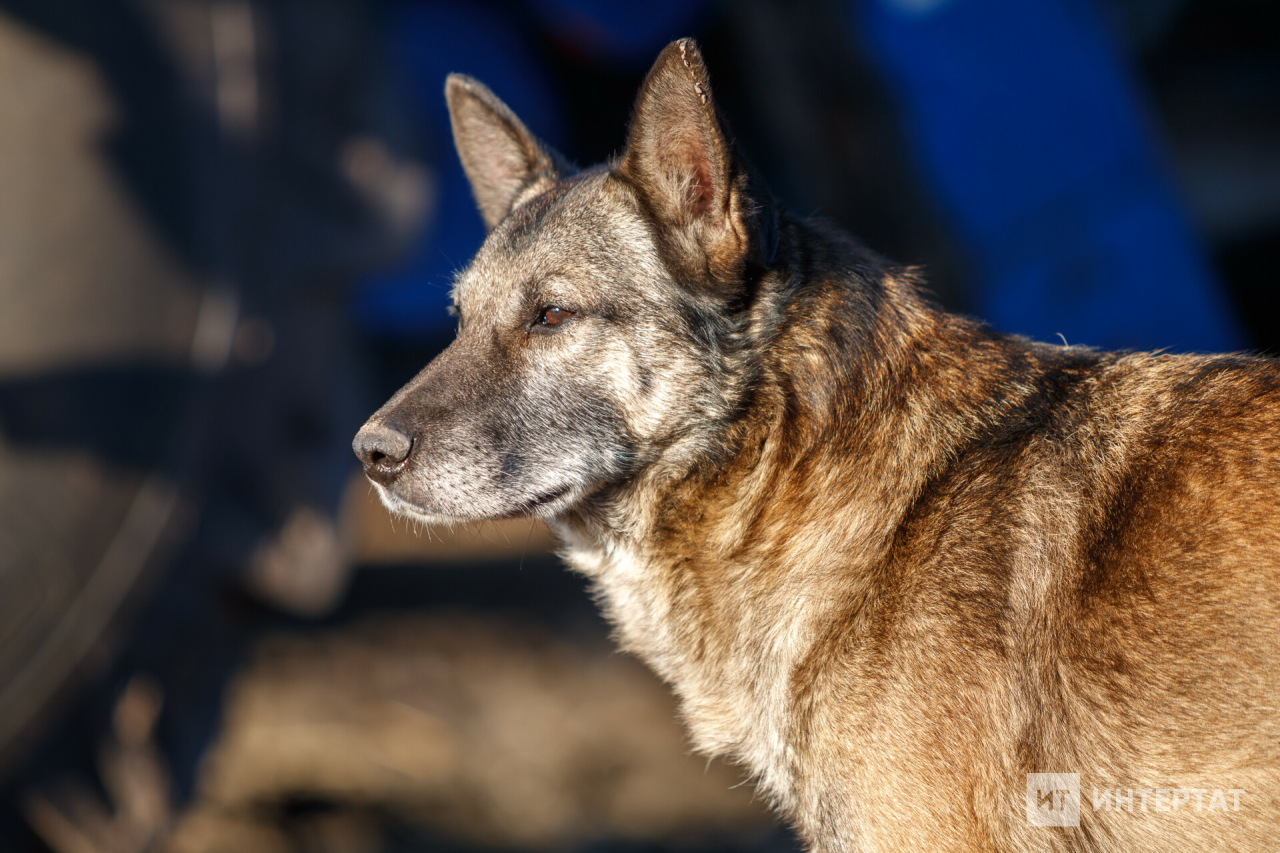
1053,799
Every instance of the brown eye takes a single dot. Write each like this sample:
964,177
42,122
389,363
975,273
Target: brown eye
554,316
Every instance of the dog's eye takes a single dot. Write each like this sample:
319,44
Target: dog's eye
554,316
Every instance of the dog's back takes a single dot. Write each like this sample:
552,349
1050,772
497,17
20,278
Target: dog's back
1086,584
891,560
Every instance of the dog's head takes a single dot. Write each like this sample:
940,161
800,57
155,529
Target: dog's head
597,323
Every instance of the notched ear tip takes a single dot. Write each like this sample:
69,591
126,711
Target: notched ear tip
680,160
682,54
675,129
685,48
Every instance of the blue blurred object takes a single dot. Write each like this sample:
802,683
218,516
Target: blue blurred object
428,40
1028,127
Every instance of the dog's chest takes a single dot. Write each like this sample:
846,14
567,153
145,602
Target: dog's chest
735,702
634,599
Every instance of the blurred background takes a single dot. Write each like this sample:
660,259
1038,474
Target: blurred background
227,232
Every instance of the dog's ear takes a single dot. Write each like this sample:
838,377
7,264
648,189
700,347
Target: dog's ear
499,154
679,159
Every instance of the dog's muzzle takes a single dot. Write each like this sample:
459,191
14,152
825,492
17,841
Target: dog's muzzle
384,450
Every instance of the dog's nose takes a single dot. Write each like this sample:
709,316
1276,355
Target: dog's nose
384,450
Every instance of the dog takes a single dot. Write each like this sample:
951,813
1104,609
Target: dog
894,562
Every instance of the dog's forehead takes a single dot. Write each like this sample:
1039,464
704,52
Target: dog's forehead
580,229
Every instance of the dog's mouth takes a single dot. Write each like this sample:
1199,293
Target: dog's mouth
534,506
402,508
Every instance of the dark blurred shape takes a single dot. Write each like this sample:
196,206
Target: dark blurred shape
1031,133
190,187
90,510
122,415
810,112
1215,74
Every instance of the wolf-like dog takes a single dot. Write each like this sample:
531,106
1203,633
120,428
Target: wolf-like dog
889,559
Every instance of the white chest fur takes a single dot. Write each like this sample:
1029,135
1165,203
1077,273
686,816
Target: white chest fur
735,691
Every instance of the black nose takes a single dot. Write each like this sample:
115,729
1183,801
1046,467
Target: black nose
384,450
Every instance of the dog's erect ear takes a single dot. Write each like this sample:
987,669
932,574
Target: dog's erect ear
499,154
679,159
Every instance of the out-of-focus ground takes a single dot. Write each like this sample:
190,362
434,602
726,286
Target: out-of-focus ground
503,729
487,732
404,725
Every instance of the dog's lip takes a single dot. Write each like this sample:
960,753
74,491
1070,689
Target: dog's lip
407,508
404,506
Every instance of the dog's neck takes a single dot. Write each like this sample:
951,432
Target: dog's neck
706,574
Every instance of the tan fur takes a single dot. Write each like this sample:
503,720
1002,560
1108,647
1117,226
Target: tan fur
888,559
